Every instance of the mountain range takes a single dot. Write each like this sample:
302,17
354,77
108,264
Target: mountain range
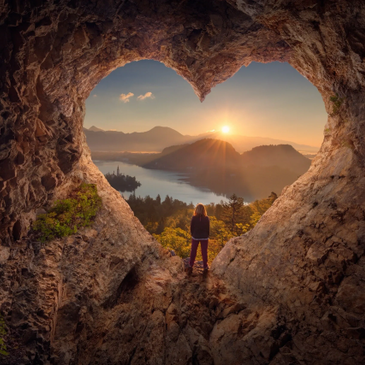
211,153
158,138
210,163
216,165
200,155
154,140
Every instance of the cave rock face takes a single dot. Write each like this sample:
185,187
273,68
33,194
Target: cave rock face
291,291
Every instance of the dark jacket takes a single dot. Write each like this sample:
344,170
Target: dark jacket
199,226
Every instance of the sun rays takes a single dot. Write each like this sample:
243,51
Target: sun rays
225,129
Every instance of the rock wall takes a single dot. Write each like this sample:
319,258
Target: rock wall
288,292
53,56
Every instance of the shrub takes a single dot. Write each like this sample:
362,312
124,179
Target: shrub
3,349
337,102
175,239
68,215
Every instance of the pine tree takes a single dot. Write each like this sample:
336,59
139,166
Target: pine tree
232,212
158,199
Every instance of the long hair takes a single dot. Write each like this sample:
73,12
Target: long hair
200,210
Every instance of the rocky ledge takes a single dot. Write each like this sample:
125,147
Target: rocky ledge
291,291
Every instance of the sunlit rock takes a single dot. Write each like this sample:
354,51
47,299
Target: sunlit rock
288,292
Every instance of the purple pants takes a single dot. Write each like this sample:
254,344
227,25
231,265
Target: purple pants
204,248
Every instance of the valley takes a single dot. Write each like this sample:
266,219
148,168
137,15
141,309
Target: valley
216,165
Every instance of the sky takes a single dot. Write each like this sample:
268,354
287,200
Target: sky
267,100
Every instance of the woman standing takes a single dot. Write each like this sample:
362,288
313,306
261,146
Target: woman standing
199,229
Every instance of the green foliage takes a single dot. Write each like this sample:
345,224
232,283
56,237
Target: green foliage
337,102
233,212
3,332
68,215
242,228
175,239
348,144
259,207
122,182
169,221
155,214
219,232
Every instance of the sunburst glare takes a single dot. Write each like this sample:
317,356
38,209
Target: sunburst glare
225,129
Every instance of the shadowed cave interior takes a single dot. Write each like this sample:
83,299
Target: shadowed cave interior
288,293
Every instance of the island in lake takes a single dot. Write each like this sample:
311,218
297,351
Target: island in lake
216,165
122,182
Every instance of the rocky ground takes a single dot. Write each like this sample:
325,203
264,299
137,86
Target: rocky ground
111,294
109,303
289,292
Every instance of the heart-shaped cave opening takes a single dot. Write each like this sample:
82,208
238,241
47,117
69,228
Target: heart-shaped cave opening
133,124
290,290
63,55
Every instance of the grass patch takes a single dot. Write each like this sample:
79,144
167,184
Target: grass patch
3,332
68,215
337,102
347,144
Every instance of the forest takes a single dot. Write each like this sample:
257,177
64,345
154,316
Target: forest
169,220
122,182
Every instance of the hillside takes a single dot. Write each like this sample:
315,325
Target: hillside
96,129
246,143
203,154
212,154
158,138
153,140
283,156
216,165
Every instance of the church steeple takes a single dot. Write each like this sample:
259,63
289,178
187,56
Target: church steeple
118,170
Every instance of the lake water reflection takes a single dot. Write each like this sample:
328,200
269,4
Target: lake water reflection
154,182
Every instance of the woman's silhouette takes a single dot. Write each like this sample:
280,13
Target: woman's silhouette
199,229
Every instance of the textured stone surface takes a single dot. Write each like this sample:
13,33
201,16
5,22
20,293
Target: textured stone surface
289,292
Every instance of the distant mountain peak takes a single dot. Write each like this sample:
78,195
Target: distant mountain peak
165,132
95,129
160,137
159,127
216,142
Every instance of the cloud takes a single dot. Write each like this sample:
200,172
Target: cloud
145,96
125,97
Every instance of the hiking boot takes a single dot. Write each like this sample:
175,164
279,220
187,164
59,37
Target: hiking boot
189,270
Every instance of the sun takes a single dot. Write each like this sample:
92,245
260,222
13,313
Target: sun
225,129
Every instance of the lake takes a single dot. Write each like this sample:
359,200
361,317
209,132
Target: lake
154,182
